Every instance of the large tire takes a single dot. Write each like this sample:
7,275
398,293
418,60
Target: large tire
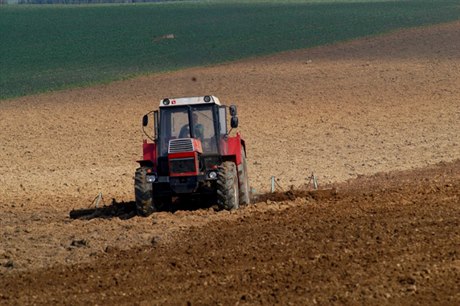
146,203
227,186
244,179
143,193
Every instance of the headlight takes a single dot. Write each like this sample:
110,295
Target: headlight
151,178
212,175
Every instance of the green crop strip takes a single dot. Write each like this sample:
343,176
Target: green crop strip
46,48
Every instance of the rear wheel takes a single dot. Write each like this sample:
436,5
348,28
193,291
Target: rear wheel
243,179
227,186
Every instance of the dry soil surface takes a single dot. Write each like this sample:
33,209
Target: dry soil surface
383,104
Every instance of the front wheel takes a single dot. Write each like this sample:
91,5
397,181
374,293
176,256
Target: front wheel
143,193
146,203
227,186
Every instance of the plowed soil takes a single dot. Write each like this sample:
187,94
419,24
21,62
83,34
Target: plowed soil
376,120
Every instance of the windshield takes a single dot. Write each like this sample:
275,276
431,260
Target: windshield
175,124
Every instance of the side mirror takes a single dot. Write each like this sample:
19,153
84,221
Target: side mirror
233,110
145,120
234,122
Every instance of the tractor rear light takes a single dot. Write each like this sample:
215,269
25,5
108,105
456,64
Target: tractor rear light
151,178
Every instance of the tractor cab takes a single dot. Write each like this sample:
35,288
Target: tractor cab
188,118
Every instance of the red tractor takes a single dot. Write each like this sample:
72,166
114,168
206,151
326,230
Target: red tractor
191,154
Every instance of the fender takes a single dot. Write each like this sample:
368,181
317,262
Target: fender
149,151
232,149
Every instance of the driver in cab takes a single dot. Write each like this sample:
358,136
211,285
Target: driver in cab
198,129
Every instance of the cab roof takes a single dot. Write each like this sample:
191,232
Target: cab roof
168,102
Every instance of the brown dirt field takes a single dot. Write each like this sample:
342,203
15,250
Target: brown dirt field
384,104
391,238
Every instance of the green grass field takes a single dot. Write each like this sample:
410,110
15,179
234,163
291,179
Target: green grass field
51,47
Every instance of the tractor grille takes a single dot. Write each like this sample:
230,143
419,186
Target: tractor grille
180,145
182,165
